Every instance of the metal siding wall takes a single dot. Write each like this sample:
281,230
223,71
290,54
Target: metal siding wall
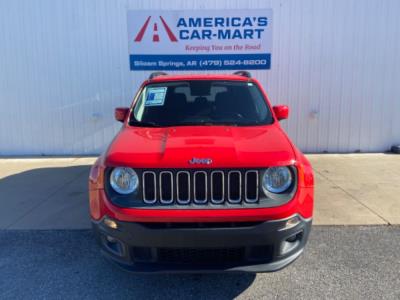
64,67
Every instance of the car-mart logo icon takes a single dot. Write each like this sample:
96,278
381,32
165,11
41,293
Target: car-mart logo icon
156,37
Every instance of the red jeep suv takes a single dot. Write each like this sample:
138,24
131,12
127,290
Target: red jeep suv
201,178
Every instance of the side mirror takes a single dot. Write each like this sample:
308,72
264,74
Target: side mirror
121,113
281,112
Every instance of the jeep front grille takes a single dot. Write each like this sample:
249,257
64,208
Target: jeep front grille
200,187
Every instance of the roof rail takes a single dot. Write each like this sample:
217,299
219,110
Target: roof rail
243,73
155,74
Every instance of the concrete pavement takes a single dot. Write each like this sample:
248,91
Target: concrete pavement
353,189
51,193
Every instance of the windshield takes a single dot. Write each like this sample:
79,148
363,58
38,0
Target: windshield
200,103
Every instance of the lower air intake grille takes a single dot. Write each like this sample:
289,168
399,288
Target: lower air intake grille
201,256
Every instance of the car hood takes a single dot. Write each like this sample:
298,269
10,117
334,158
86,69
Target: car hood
174,147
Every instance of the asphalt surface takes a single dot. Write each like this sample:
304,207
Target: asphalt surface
340,262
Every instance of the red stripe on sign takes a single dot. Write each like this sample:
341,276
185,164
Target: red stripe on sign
156,38
171,36
142,30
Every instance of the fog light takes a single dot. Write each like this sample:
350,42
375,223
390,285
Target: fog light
290,223
291,243
110,223
292,239
113,245
111,239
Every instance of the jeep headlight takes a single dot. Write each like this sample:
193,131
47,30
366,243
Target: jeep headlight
277,179
124,180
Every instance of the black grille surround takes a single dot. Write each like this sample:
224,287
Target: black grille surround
199,189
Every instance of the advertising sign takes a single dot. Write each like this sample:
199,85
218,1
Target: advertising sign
200,40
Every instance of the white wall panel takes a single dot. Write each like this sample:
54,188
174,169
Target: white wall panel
64,66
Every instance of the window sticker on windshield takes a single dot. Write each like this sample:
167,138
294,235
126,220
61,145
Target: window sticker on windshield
155,96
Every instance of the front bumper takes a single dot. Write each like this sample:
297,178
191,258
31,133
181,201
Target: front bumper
203,247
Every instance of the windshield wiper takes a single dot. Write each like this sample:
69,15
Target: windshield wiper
144,124
206,124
